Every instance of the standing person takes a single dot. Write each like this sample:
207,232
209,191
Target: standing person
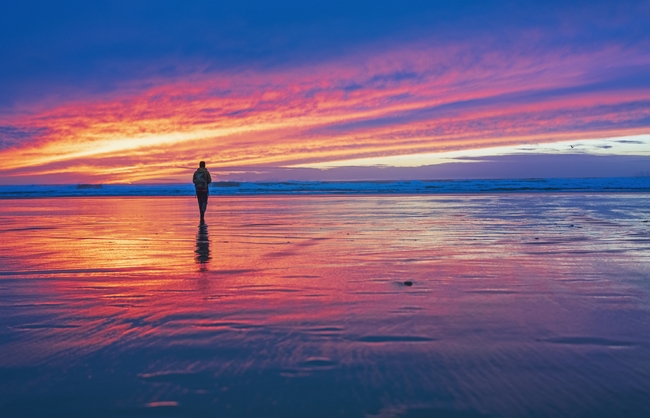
201,180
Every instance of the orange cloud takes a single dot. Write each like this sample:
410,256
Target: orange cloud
391,103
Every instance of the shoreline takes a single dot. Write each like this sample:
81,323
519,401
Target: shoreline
325,188
298,195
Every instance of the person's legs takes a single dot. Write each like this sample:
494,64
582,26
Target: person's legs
202,197
205,202
198,198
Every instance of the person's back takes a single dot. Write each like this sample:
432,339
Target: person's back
201,180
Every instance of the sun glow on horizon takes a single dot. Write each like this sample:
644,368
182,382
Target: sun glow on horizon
626,145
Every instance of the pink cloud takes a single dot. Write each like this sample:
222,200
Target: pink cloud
404,100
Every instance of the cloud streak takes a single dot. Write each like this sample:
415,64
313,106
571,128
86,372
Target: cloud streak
376,99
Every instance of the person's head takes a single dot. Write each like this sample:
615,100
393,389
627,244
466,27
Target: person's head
202,164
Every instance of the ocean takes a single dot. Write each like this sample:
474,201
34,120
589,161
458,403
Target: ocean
233,188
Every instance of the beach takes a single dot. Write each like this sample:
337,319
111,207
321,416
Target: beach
458,305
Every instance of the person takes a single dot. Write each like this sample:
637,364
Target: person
201,181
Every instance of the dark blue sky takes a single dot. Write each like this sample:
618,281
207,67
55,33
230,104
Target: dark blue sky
69,47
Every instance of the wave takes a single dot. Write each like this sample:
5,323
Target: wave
230,188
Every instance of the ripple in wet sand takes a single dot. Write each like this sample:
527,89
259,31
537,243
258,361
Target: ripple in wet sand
588,341
392,339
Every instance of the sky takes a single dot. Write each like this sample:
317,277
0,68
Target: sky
140,91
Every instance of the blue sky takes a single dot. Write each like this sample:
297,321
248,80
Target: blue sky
130,91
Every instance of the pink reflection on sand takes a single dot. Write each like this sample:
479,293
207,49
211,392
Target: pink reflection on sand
307,284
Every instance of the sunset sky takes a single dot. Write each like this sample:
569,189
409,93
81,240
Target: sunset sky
140,91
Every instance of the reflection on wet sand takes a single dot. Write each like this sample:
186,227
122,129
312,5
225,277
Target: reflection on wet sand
202,251
516,305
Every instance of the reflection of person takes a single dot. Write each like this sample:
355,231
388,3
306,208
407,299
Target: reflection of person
202,245
201,180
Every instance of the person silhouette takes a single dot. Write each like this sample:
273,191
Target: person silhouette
201,180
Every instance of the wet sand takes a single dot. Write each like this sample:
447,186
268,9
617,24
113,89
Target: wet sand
520,305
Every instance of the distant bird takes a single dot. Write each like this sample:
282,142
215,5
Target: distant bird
571,146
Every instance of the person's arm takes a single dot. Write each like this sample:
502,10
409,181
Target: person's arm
209,178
